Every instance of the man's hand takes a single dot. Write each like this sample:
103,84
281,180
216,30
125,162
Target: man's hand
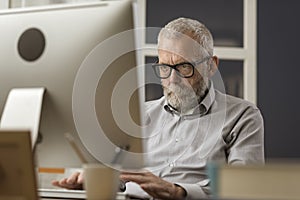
155,186
75,181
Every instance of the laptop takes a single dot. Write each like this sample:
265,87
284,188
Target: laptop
61,193
70,194
17,175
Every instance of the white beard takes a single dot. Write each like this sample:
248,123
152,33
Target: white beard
183,98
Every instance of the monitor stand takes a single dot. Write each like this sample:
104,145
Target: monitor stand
23,110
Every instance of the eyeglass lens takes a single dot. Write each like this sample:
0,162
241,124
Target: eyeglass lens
183,70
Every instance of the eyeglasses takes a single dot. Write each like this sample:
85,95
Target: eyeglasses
184,70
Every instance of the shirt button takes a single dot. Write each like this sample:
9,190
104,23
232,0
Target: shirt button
172,164
176,140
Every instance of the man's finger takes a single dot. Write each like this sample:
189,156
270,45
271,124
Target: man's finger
73,178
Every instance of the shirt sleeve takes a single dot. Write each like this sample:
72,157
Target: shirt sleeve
245,146
198,190
246,139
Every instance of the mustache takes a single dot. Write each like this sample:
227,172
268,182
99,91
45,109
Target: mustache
178,89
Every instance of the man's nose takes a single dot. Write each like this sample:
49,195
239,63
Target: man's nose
174,78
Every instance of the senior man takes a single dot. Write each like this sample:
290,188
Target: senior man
193,123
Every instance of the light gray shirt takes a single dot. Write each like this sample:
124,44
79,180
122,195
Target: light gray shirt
222,129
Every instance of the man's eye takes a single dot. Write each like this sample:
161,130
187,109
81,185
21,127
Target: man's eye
185,67
164,68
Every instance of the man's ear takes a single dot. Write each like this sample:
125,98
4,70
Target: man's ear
213,66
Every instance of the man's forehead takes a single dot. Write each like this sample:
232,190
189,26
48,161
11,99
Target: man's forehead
166,55
176,49
185,47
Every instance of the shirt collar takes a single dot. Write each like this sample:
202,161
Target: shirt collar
209,98
201,108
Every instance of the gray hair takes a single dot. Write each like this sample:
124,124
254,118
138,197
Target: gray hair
192,28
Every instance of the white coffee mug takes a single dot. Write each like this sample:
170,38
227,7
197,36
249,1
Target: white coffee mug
100,181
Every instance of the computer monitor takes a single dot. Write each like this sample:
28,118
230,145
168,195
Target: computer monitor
84,55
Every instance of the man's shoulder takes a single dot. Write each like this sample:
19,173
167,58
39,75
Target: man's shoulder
235,103
239,112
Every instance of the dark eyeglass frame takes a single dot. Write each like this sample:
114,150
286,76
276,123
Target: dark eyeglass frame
193,64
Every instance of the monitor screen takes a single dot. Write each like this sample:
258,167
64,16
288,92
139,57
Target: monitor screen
84,55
